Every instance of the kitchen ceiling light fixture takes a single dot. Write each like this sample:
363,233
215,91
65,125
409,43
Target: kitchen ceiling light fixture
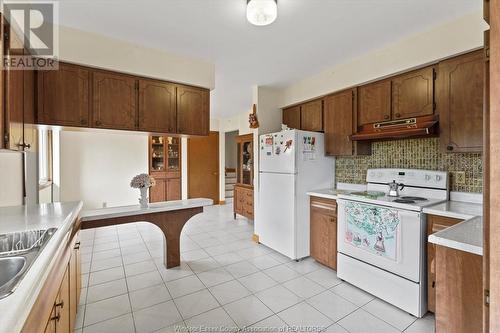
262,12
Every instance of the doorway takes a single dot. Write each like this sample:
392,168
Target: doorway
231,162
203,167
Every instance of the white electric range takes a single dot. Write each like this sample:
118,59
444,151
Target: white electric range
381,239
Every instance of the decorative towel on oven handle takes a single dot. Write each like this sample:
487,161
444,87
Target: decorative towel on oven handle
373,229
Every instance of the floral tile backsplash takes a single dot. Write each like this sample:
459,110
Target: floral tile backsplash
466,169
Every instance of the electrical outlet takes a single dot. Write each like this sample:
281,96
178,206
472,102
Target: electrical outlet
459,177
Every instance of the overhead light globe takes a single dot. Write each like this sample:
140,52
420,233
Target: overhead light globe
262,12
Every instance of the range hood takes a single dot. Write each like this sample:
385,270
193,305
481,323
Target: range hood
398,129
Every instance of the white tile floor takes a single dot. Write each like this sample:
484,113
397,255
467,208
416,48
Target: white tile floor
226,282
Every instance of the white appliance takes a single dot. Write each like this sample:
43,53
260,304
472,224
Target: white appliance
292,162
381,239
11,178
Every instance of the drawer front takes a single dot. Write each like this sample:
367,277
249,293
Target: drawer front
324,206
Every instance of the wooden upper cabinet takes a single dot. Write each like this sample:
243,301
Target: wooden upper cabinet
460,102
14,85
311,116
291,117
193,110
338,123
413,94
157,106
374,102
114,101
63,96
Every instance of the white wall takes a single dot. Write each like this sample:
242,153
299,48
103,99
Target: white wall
97,166
455,37
87,48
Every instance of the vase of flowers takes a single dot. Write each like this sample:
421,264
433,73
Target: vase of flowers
143,182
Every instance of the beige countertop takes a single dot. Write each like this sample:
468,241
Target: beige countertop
15,308
456,209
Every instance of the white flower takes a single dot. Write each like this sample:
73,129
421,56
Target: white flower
142,180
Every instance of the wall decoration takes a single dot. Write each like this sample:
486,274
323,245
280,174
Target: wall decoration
252,118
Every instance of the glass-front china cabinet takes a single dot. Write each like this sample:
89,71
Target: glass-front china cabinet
165,167
243,189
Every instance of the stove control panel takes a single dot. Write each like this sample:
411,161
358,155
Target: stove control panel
409,177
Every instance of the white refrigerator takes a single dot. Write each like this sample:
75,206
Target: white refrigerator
292,162
11,178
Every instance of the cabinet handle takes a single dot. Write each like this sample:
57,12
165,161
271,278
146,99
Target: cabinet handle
450,148
433,284
398,115
77,246
61,305
24,145
386,117
56,317
332,219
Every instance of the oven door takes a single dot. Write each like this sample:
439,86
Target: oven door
385,237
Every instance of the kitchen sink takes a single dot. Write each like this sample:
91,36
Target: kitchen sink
18,251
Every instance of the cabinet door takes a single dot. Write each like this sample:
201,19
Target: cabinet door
63,306
51,324
14,90
78,263
157,106
291,117
63,96
320,237
434,224
114,101
311,116
460,294
173,189
193,111
460,103
374,102
158,192
332,253
338,124
413,94
74,283
249,203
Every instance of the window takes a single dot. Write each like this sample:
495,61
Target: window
44,157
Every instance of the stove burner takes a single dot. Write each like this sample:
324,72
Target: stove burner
407,201
414,198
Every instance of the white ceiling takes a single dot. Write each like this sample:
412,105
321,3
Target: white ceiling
307,37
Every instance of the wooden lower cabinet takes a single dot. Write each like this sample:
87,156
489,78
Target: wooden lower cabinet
243,201
51,325
459,291
62,305
55,309
434,224
323,231
165,189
